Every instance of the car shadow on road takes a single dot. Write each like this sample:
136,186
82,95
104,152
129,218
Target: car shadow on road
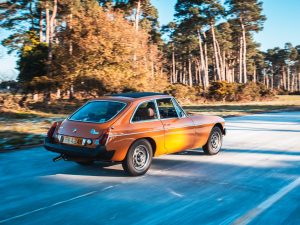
107,169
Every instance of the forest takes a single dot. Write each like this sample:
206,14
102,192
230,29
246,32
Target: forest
88,48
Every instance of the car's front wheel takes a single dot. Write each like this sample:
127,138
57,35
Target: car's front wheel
138,158
214,143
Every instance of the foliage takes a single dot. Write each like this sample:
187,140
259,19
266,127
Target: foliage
33,59
183,93
107,51
224,91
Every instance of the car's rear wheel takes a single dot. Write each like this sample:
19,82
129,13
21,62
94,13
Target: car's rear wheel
138,158
214,143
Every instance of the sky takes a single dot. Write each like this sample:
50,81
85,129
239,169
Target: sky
282,25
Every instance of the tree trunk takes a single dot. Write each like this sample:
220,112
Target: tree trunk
206,78
70,32
173,65
190,73
216,57
52,20
47,24
184,73
254,75
222,70
244,68
241,61
284,79
288,78
51,36
41,25
202,70
137,15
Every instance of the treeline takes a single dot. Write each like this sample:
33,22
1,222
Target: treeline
96,47
214,42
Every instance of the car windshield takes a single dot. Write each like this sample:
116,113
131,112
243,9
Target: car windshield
98,111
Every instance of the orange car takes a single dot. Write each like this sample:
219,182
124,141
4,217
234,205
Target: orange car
132,128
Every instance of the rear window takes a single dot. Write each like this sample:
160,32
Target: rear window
98,111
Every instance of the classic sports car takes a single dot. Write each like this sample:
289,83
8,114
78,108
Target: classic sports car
132,128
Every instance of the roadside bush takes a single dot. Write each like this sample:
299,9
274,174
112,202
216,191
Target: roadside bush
265,92
222,91
184,94
248,92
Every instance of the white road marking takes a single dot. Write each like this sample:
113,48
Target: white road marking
54,204
252,214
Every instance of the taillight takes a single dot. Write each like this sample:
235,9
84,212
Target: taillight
52,129
103,139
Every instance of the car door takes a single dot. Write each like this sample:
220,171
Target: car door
179,129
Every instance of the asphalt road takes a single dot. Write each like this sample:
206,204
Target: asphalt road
255,180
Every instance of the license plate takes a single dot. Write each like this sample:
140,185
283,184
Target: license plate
72,140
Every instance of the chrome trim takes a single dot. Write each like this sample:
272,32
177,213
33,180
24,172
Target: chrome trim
174,99
144,121
170,128
156,106
125,105
118,135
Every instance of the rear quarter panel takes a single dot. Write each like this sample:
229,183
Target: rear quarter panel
203,126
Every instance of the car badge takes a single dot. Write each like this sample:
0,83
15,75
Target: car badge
74,130
94,132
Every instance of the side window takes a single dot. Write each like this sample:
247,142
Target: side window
166,108
145,111
178,108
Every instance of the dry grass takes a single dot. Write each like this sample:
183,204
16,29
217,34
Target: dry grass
284,102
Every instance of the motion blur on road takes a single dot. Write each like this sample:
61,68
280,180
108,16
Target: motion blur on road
254,180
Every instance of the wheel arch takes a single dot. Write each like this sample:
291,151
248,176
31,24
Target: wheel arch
151,141
220,125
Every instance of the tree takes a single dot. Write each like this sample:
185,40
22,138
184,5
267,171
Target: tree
194,16
249,15
102,53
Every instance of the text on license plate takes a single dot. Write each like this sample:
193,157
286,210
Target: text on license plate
72,140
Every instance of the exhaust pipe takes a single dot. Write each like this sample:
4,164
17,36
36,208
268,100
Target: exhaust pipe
57,158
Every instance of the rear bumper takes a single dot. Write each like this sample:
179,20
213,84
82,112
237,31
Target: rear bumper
75,152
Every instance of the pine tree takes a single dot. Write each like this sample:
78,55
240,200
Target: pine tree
249,15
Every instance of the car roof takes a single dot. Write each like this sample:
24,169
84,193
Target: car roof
137,94
133,96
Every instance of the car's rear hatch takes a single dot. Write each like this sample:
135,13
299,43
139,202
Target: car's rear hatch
82,129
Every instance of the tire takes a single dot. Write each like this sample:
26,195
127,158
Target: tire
138,159
85,163
214,142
